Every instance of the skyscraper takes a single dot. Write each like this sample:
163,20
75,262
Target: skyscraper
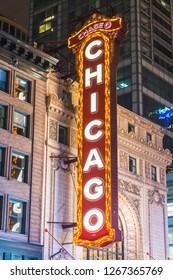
145,79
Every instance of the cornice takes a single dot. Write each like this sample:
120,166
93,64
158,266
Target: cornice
61,107
138,120
140,145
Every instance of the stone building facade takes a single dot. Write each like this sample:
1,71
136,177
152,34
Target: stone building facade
22,129
142,187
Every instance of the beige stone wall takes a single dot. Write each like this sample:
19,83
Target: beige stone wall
142,201
61,179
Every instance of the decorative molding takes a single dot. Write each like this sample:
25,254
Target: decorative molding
123,160
155,196
138,120
147,169
153,150
74,138
132,227
129,187
162,175
53,129
141,169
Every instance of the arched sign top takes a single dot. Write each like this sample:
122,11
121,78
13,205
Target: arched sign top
95,23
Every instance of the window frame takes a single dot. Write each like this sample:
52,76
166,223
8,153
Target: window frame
5,116
24,216
148,137
131,128
6,90
2,166
66,142
26,128
1,211
132,167
26,167
29,90
154,174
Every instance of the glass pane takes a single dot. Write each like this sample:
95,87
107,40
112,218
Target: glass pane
2,116
1,255
16,257
18,167
22,89
1,161
63,135
16,216
20,124
170,234
3,80
1,205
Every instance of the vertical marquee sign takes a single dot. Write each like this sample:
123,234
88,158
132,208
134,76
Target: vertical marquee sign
97,212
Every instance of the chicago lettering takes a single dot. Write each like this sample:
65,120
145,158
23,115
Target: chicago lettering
94,218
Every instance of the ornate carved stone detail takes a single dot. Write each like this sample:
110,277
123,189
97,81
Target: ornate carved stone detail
136,203
73,138
53,129
123,160
129,214
147,170
155,196
141,171
129,187
162,175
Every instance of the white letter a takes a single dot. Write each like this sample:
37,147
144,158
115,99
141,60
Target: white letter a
93,159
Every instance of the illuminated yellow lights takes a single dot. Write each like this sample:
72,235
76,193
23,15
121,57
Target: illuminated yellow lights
49,18
45,27
80,69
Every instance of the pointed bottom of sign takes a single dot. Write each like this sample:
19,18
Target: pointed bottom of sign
118,238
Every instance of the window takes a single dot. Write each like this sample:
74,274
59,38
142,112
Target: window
124,77
22,89
20,124
153,173
148,137
131,128
66,95
125,100
1,209
12,30
132,165
3,115
2,161
19,167
45,27
15,257
16,216
5,26
3,80
63,135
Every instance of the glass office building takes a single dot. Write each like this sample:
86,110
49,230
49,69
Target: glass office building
145,73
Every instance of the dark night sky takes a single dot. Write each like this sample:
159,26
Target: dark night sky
17,10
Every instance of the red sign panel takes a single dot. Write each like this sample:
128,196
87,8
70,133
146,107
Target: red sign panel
94,225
